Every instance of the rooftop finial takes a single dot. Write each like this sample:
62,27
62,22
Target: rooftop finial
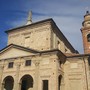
87,12
29,19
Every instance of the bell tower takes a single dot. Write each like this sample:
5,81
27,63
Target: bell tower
86,32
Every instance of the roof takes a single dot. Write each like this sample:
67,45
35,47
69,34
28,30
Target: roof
19,47
70,55
65,55
59,32
30,50
42,21
50,19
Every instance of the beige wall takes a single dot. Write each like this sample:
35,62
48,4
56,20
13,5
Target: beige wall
76,77
60,41
47,66
38,37
41,36
44,67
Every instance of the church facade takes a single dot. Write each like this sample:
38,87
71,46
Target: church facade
39,57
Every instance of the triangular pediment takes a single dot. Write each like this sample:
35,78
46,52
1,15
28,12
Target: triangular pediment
13,51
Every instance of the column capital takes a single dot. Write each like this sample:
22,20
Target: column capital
1,66
18,64
19,83
3,83
37,62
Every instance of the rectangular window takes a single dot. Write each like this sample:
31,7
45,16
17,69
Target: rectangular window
45,85
28,63
10,65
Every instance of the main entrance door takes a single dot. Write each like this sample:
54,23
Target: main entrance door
26,82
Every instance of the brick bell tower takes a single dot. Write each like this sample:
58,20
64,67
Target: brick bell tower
86,33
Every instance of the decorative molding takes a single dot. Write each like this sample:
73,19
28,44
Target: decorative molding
36,62
47,76
75,78
13,36
18,64
27,70
46,68
9,72
26,33
41,30
1,67
75,74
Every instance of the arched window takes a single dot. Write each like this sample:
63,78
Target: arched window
59,82
88,37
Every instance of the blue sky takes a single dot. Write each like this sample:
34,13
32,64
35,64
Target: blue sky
68,15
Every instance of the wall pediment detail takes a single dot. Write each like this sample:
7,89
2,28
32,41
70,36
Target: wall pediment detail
12,52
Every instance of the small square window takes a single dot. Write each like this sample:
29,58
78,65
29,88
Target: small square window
28,63
10,65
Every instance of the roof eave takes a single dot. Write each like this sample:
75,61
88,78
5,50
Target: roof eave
50,19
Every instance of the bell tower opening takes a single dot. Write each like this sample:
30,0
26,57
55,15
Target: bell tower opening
88,38
86,32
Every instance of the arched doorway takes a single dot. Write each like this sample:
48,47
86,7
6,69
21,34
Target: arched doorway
8,83
26,82
59,82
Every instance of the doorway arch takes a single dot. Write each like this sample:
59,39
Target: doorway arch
8,83
59,82
26,82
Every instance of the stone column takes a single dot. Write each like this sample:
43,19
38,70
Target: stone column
16,83
1,73
36,74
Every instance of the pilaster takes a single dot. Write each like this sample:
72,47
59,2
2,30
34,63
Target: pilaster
36,74
17,84
1,73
